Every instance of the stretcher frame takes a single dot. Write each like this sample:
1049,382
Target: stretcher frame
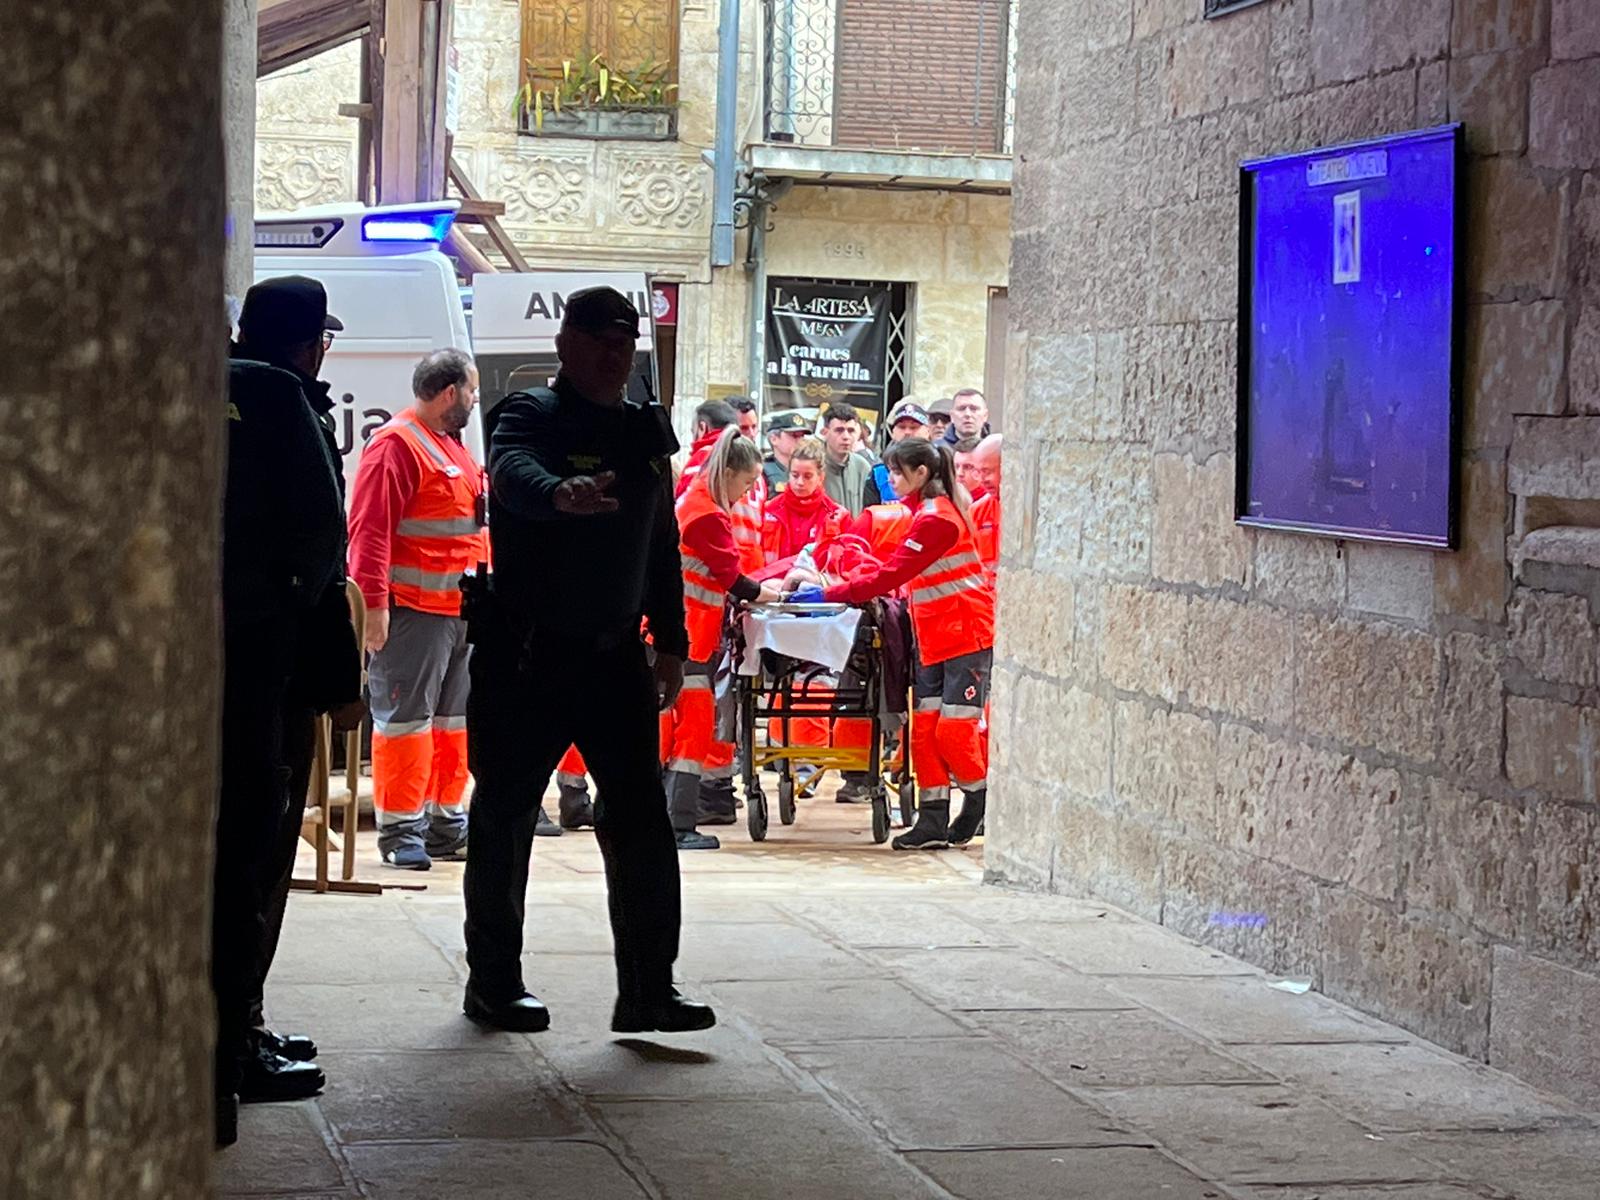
786,690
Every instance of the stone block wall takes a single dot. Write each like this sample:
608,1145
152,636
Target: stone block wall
1388,753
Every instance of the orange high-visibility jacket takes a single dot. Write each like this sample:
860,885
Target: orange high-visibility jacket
985,516
884,527
704,593
952,600
439,535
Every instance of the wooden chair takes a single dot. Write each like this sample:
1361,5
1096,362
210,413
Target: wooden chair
317,826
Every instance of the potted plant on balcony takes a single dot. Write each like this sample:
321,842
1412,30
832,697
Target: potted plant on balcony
591,99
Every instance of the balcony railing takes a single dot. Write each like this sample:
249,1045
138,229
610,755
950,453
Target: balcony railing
931,76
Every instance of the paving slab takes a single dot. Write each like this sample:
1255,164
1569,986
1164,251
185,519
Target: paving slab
1252,1010
773,951
1129,1048
758,1150
893,919
959,1093
378,1016
995,907
832,1010
490,1170
1414,1087
1547,1165
322,948
983,978
431,1094
1116,947
1076,1173
281,1148
1263,1135
718,1062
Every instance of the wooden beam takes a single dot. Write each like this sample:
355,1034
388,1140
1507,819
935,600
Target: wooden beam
291,31
491,224
476,210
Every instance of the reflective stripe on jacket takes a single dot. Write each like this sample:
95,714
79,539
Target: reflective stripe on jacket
952,599
703,596
438,536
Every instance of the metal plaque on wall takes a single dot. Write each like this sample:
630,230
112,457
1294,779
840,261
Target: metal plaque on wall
1348,340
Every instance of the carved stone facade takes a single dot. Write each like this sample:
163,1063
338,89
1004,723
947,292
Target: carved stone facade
584,203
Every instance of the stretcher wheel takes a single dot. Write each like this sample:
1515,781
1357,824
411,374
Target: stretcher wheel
908,802
755,816
786,800
880,816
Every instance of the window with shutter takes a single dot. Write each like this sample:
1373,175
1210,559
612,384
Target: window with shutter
627,35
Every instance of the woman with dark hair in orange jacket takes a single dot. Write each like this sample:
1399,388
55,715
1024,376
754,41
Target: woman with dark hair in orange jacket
952,616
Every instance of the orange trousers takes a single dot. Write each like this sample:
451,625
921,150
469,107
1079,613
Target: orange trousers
949,738
418,684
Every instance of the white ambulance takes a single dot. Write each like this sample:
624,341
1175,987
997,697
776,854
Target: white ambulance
397,294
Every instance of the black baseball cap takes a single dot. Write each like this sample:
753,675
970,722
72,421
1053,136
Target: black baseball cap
789,422
286,311
601,310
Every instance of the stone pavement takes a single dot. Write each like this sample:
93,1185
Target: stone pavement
890,1028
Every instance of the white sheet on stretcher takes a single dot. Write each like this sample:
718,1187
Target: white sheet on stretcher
823,640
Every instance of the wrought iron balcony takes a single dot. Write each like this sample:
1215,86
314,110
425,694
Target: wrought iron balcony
924,76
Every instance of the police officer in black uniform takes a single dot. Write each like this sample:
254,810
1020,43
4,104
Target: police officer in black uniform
282,553
585,546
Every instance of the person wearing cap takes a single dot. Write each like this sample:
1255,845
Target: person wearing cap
939,418
289,653
785,431
906,419
585,551
416,526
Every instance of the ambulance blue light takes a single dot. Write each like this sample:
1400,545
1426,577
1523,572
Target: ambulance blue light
421,226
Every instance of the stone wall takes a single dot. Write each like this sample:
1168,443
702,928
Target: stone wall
1387,753
112,336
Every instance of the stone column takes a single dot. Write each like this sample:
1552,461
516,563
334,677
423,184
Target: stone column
239,139
111,426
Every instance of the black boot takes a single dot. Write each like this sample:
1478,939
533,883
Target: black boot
270,1078
969,821
717,803
672,1013
932,830
544,826
577,810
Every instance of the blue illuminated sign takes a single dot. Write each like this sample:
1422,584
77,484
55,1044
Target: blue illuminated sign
1348,348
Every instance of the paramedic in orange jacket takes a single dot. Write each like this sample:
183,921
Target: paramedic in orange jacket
711,574
710,419
986,510
803,513
952,615
416,523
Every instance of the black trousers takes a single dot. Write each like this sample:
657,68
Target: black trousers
526,707
299,725
250,813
